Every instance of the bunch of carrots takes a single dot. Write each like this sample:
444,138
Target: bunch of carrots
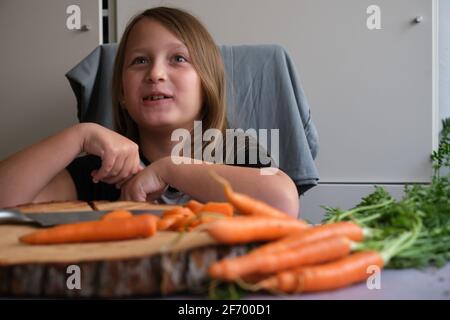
298,257
324,257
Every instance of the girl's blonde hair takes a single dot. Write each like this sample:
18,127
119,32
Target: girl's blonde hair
206,60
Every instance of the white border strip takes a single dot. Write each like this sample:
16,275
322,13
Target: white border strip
435,76
100,22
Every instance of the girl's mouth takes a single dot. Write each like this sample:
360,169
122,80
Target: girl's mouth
156,98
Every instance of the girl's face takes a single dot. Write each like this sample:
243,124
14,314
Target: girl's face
161,88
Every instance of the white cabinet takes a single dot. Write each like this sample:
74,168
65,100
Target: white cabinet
37,49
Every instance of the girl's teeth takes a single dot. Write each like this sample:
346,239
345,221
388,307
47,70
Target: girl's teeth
154,97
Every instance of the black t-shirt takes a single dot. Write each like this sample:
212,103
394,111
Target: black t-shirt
80,170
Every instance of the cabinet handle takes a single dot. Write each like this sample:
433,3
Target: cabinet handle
85,27
418,19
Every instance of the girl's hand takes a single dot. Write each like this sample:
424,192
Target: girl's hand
120,155
147,185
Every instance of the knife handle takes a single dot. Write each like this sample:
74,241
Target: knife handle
9,216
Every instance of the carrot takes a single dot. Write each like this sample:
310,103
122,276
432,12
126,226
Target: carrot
347,229
247,205
183,222
247,229
191,222
195,223
175,219
194,205
270,262
204,218
175,211
167,222
329,276
117,214
140,226
218,207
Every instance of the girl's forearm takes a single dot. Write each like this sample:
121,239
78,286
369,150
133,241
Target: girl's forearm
277,190
24,174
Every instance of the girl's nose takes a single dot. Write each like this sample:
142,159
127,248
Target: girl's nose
156,73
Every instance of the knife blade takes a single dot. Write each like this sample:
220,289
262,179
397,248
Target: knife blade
56,218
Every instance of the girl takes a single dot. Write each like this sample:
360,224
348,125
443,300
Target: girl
168,73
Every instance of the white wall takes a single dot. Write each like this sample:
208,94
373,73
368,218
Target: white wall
36,51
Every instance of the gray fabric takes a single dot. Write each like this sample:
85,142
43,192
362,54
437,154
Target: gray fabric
91,82
263,93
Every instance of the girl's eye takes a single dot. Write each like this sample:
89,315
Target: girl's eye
179,58
139,60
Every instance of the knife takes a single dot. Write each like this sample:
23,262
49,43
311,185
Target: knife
55,218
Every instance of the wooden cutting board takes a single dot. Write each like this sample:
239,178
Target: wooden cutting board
54,207
128,205
165,263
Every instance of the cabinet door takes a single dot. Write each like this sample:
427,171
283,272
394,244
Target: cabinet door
37,49
370,91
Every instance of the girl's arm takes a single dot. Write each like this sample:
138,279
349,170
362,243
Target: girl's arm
24,174
38,173
277,190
